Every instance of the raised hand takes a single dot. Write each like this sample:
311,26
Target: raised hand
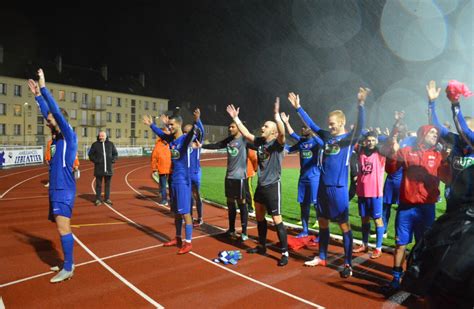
294,99
232,111
41,79
196,145
197,114
432,91
285,117
164,119
362,95
34,87
386,132
276,106
147,120
399,115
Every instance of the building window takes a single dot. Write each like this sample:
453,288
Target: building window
17,90
146,105
108,132
98,99
117,133
73,96
119,102
61,95
3,88
109,101
39,130
17,110
108,117
85,98
73,114
154,106
118,119
145,133
16,129
3,109
3,129
84,132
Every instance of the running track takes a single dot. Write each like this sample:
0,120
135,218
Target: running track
120,261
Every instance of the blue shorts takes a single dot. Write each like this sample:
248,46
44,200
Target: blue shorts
308,192
391,191
333,203
370,207
59,209
196,180
413,219
180,195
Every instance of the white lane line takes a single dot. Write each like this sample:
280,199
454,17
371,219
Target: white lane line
21,182
95,261
116,274
258,282
222,267
25,171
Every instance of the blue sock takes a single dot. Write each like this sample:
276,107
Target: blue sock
347,241
305,216
365,233
380,230
386,215
323,243
199,207
178,222
188,230
67,242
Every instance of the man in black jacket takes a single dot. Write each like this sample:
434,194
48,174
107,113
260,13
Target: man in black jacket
103,153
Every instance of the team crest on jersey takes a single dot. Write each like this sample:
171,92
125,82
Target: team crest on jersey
460,163
175,155
53,150
332,149
306,154
263,153
232,151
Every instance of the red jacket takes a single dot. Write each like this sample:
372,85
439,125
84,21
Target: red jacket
422,170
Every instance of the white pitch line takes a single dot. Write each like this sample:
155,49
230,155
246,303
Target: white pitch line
120,277
95,261
25,171
13,187
258,282
227,269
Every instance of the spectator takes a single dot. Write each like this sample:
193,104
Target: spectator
103,154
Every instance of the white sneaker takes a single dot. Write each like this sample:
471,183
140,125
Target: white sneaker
62,276
315,262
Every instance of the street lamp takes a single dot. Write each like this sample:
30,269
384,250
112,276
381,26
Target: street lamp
24,123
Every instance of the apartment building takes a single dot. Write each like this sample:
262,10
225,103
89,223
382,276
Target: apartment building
90,109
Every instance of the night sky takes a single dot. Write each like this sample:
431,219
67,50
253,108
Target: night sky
247,52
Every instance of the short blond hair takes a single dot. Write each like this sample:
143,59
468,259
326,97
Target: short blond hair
339,115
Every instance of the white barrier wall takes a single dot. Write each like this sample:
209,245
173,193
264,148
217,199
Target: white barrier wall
20,155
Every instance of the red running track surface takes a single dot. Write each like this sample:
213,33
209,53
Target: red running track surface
122,264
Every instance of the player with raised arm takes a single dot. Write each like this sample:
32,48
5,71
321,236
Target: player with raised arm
180,182
270,146
62,184
333,185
